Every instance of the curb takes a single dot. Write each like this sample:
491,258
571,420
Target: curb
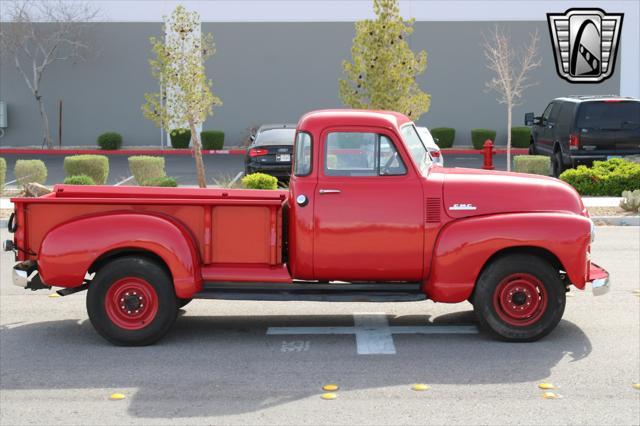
35,151
235,151
616,220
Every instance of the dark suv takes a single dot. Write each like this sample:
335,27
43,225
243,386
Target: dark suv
580,129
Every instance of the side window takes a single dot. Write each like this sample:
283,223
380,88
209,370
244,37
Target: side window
361,154
555,111
302,165
545,114
565,119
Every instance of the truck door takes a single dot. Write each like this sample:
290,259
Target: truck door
368,211
547,127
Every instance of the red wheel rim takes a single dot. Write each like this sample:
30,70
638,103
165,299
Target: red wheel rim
131,303
520,300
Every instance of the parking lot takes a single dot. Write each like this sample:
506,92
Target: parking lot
218,167
234,363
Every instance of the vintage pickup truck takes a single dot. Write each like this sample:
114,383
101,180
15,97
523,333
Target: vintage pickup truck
367,217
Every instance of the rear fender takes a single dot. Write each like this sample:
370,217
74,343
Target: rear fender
68,250
464,247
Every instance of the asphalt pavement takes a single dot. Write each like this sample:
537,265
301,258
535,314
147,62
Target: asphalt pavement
228,362
218,167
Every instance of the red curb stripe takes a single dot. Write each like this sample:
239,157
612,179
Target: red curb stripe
35,151
454,151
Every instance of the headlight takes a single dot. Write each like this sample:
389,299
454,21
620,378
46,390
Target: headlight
592,231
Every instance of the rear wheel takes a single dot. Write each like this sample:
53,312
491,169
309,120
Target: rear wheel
131,302
519,298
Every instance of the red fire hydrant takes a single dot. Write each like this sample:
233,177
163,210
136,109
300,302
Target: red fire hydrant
488,155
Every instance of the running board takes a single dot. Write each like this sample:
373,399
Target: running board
314,292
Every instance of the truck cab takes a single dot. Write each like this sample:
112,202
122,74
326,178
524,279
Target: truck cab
368,217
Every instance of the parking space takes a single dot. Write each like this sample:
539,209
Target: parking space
266,362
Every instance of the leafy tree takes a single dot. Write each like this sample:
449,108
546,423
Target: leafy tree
383,68
185,92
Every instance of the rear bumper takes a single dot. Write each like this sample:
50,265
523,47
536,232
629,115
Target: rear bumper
599,279
25,275
587,157
279,170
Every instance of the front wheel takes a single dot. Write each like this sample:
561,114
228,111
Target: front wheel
131,302
519,298
532,148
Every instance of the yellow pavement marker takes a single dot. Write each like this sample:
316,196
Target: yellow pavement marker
636,385
547,386
330,387
53,295
420,387
329,395
551,395
117,396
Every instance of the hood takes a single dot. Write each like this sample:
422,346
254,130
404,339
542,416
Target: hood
473,192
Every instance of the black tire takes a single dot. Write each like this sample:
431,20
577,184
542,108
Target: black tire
183,302
491,285
557,167
532,148
160,311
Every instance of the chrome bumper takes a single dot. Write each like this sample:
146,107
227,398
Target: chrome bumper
20,278
25,275
599,279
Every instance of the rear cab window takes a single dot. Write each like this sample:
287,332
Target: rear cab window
303,150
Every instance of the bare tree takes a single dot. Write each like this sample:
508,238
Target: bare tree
511,70
38,33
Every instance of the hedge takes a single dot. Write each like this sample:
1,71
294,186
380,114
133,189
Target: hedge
146,167
260,181
28,171
520,137
180,138
212,139
609,178
3,173
534,164
444,136
94,166
161,181
110,141
79,180
479,136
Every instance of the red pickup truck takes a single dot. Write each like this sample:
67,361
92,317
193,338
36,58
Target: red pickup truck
367,217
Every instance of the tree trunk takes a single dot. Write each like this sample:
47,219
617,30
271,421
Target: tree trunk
45,123
509,136
197,154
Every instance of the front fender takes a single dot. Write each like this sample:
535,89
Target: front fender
464,246
68,250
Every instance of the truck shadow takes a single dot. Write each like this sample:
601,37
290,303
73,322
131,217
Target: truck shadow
224,365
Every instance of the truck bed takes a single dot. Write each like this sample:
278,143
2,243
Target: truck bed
229,227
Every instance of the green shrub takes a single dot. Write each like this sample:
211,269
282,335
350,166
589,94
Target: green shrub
260,181
94,166
609,178
28,171
479,136
146,167
631,201
180,138
3,173
212,139
444,136
161,181
535,164
110,140
79,180
520,137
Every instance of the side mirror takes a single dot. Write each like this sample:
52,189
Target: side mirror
528,119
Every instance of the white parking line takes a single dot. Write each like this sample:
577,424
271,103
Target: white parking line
374,335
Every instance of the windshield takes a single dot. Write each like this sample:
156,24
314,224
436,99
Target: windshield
416,147
609,115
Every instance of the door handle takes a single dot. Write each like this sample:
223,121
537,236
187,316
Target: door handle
329,191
